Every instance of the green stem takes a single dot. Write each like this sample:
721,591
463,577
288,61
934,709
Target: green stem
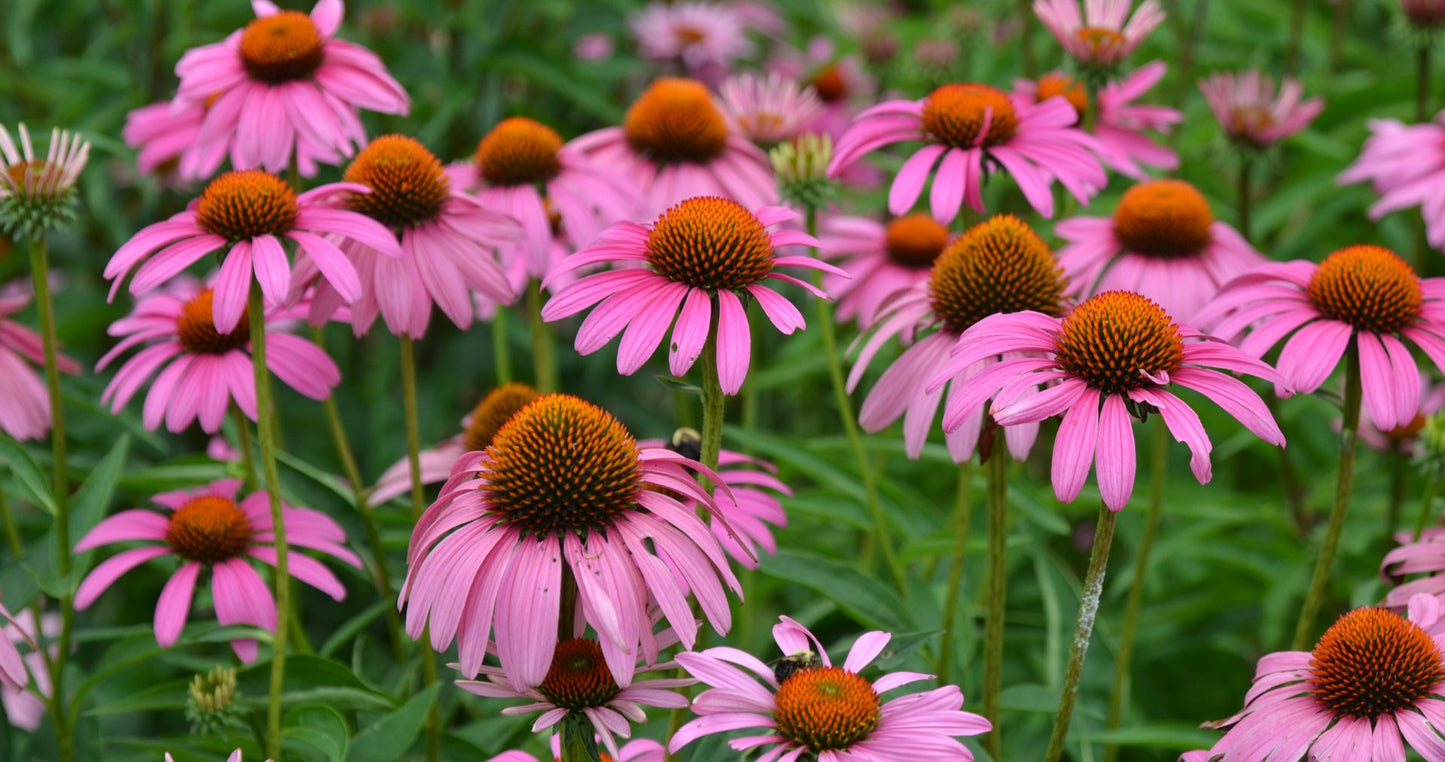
1320,581
1160,466
1026,35
266,437
1190,46
1422,83
1083,631
1244,199
243,446
501,349
1296,35
997,589
579,742
962,520
544,351
12,532
714,404
1399,466
1425,507
1337,32
418,505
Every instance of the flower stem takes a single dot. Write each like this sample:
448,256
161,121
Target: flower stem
1160,466
12,532
544,351
266,439
1320,581
1296,35
962,520
1026,35
1425,504
579,743
1422,83
1244,199
997,590
714,404
418,505
243,447
1083,631
501,350
1337,32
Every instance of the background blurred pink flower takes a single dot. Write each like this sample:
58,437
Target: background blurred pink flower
768,110
1246,106
1105,34
24,403
638,750
706,38
880,259
25,705
1405,164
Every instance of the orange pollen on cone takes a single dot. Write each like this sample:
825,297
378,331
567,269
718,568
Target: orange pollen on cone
519,151
37,175
689,35
1116,341
561,464
245,204
209,529
407,182
916,240
675,120
1072,90
1104,43
196,328
956,115
1369,287
281,47
1372,662
829,84
1406,432
494,411
710,243
579,678
826,708
1000,265
1168,219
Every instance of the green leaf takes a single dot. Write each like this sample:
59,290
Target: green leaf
903,646
314,680
27,473
862,597
1170,736
332,484
94,497
390,736
181,472
320,726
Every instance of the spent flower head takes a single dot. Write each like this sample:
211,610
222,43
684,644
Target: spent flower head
38,193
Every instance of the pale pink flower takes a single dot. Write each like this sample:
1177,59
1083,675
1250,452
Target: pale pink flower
880,260
676,143
248,213
199,371
701,251
235,757
25,176
1105,33
976,130
1404,438
24,402
1424,558
706,38
166,139
522,168
1361,298
208,530
841,84
1162,241
25,705
1246,106
1405,165
768,110
1372,686
1121,126
818,709
488,556
593,47
282,80
638,750
1116,353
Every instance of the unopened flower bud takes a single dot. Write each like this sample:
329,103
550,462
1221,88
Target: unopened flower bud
802,168
211,703
38,193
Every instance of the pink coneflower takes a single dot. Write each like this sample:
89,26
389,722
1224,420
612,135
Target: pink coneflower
593,47
248,213
704,37
838,81
638,750
1405,165
1371,687
235,757
1424,14
523,168
966,124
208,530
284,79
1363,297
24,706
448,243
1246,106
166,139
28,178
1120,126
1426,556
805,705
880,259
564,486
768,110
702,250
1001,265
24,403
1105,33
198,370
1405,437
676,143
579,681
13,675
1163,242
1115,353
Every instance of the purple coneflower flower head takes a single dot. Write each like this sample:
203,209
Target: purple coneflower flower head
282,80
806,705
1105,33
768,110
973,131
1404,438
706,38
25,704
208,530
199,371
580,681
1163,242
1363,298
881,260
676,143
999,266
248,213
700,252
564,486
24,403
637,750
523,168
1405,165
1424,14
1425,556
1372,686
1114,354
1246,106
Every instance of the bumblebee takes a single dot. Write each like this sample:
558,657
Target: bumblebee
785,667
687,443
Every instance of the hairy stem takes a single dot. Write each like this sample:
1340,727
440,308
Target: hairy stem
501,350
1296,37
544,350
418,505
266,438
997,589
953,595
243,447
1426,503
